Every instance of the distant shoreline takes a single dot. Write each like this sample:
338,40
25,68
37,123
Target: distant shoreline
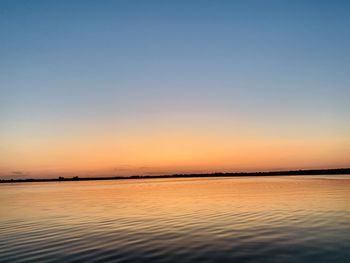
337,171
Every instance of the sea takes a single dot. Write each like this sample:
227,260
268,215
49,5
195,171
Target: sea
224,219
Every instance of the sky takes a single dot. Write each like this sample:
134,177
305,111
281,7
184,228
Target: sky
93,88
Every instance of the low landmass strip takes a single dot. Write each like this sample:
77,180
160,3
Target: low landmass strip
233,174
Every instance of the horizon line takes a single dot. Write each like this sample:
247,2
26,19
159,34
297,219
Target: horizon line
326,171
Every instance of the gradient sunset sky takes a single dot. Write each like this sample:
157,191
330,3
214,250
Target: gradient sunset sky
156,87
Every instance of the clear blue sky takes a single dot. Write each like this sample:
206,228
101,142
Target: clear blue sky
89,69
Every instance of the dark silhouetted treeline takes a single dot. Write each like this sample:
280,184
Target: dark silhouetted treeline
271,173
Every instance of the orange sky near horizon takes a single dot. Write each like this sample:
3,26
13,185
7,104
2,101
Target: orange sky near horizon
167,153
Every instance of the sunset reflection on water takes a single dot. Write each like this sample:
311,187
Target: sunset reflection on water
270,219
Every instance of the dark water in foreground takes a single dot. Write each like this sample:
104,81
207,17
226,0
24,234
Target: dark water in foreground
257,219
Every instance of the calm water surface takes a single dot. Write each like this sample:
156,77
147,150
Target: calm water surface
255,219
